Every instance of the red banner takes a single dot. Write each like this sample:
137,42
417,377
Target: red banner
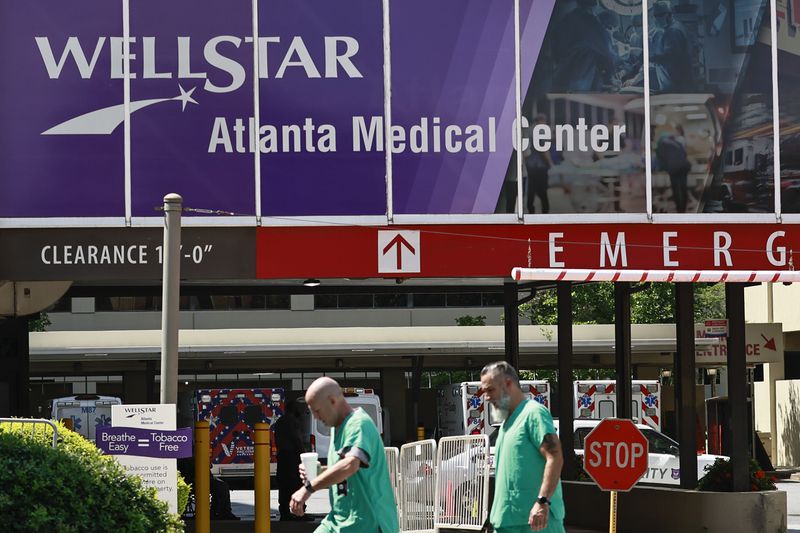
493,250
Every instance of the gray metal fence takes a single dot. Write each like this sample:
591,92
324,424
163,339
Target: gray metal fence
462,482
34,426
417,486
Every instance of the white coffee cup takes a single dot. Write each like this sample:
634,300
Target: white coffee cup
309,460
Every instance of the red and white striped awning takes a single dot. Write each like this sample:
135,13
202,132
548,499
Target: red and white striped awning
673,276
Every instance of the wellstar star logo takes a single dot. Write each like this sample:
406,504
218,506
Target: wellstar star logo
104,121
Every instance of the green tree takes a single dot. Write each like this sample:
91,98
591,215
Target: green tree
593,303
39,323
469,320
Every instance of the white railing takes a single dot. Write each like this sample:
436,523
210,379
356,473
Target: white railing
393,465
34,425
417,466
462,482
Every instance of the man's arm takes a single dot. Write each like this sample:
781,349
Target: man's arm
334,475
554,460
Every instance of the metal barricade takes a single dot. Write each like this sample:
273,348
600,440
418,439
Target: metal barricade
35,425
393,465
417,464
462,482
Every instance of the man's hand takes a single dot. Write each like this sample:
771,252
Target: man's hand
297,503
538,517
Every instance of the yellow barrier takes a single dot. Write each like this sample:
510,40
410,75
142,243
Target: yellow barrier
262,460
202,478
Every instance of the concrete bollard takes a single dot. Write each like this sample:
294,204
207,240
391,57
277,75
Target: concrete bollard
202,478
262,464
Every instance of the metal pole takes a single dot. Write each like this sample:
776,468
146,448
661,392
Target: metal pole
622,335
511,311
171,254
612,513
202,478
737,387
684,390
262,467
566,431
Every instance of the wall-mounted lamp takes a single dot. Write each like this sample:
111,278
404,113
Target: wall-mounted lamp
311,282
711,371
666,373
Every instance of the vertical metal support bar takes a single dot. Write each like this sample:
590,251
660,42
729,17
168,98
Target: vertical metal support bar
565,401
262,456
202,478
413,420
511,304
737,387
622,348
171,255
685,401
15,361
612,512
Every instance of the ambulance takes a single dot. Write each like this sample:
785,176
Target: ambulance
597,399
317,436
463,409
232,415
87,412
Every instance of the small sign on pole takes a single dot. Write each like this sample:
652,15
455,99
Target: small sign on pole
716,328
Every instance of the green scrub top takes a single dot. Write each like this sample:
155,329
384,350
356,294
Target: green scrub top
519,469
363,503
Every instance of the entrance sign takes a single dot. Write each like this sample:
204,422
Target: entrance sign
398,252
147,420
763,344
615,454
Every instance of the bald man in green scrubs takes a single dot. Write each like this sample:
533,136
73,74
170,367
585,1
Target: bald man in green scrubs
528,458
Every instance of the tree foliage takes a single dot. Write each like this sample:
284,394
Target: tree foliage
593,303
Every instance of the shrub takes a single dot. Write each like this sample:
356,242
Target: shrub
72,487
719,477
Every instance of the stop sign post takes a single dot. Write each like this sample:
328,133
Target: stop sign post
615,455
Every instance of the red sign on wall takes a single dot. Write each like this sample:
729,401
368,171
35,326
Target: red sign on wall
493,250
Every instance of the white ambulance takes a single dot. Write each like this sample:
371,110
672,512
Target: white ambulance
597,399
317,436
87,412
463,409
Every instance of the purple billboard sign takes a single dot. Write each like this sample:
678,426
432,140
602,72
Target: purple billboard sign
309,138
145,442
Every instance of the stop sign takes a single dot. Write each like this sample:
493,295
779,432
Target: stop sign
615,454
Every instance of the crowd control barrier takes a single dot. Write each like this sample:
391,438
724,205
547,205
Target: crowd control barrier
462,482
35,425
417,478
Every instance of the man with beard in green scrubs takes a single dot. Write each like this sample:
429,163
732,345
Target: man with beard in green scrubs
361,496
528,458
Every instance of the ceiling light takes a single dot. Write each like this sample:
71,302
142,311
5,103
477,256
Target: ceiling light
311,282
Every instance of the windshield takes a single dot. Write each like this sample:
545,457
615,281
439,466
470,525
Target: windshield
660,443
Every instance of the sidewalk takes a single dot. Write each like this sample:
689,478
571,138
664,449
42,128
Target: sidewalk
225,526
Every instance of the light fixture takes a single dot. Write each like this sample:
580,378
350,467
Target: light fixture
311,282
712,371
340,363
666,373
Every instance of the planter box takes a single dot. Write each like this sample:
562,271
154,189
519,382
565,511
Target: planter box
655,509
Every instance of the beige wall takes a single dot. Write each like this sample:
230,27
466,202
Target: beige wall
784,297
787,394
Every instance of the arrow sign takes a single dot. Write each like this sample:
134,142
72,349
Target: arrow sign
398,252
769,344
